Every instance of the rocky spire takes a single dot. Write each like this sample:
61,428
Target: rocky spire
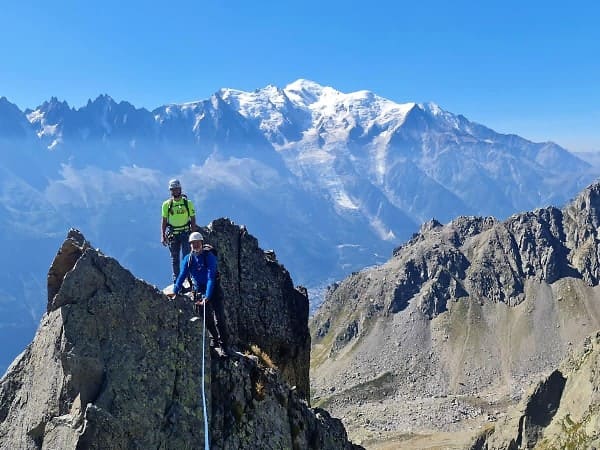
115,364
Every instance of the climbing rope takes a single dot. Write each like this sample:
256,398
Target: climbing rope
206,444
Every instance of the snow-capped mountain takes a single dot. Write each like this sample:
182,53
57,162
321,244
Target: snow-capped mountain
417,158
332,181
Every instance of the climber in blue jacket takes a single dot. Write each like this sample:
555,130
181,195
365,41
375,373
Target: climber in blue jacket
201,266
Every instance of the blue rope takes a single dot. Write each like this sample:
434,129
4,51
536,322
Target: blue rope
206,444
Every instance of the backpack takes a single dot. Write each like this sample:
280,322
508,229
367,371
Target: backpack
209,248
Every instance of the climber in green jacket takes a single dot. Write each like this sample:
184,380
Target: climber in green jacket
178,221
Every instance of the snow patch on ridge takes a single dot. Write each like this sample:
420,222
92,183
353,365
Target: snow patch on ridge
35,116
382,230
344,201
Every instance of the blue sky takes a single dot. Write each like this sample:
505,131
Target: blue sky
524,67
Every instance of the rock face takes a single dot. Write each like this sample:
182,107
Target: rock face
463,316
262,305
562,411
115,364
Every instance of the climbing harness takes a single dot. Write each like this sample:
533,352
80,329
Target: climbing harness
173,230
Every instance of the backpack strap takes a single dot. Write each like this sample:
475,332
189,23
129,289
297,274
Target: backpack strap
207,248
185,204
187,226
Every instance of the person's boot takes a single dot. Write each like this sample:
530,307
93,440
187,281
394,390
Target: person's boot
220,352
222,349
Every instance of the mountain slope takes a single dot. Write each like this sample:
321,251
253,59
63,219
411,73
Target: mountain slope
561,411
460,319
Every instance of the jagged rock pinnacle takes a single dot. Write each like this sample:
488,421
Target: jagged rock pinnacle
115,364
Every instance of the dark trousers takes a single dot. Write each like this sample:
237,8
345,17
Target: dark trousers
215,318
179,247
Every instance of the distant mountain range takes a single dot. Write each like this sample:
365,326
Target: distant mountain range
331,181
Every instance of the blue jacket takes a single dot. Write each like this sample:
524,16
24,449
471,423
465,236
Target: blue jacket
203,270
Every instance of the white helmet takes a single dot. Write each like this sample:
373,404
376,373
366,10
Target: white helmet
174,184
195,236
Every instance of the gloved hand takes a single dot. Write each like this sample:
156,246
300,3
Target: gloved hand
199,304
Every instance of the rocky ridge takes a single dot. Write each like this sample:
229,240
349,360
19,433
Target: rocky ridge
454,327
115,364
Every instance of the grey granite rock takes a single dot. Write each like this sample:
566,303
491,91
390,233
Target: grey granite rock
115,364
